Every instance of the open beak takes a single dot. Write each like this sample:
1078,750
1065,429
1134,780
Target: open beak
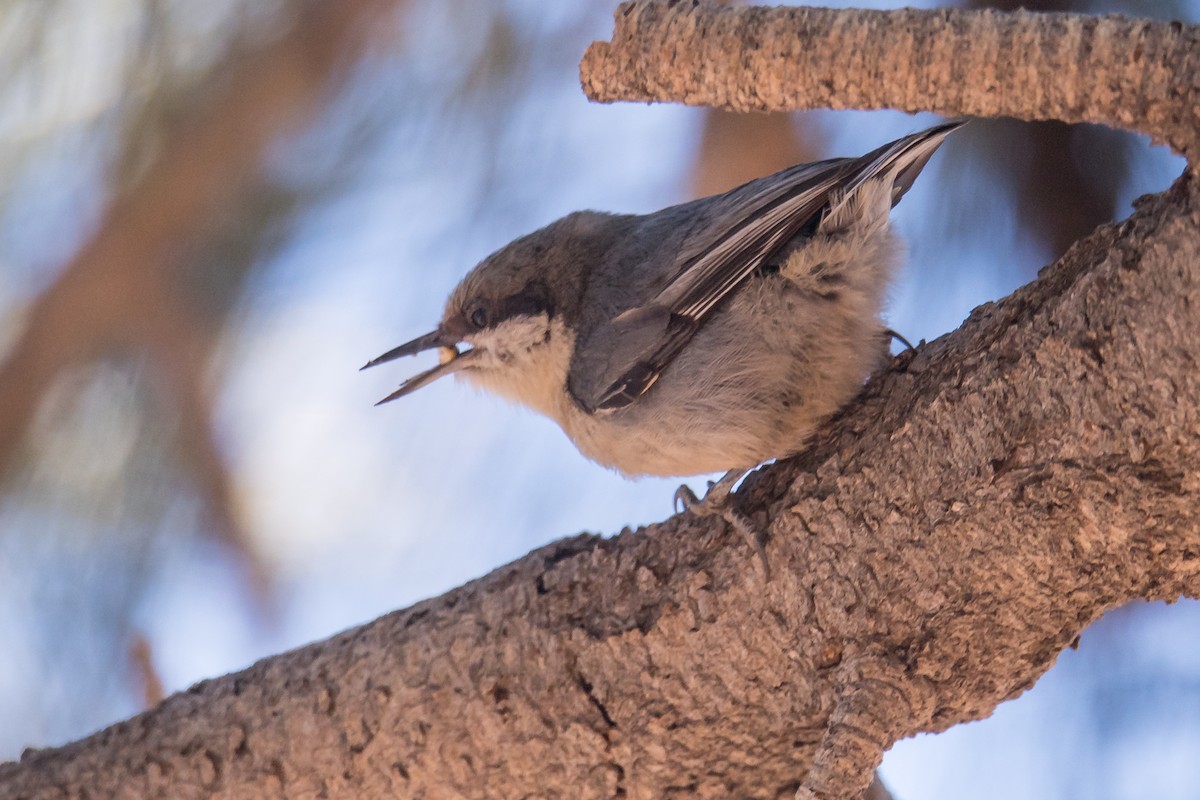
450,361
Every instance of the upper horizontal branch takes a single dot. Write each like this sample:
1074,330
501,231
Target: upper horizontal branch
1134,74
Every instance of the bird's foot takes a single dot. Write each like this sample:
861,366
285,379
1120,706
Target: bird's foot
718,503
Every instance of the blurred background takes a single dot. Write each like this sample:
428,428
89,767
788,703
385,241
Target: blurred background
211,214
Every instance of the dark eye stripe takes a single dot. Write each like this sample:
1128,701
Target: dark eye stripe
525,303
529,302
483,313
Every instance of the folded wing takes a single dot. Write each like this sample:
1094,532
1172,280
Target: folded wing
749,225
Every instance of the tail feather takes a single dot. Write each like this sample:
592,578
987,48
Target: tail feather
904,158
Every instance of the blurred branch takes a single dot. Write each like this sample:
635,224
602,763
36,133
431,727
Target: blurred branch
1069,180
1068,185
736,147
141,658
119,292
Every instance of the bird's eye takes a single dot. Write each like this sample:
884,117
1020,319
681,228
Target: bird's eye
479,318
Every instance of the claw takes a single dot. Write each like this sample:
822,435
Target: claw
685,499
891,334
717,502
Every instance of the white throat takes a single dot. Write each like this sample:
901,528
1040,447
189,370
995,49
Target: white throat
525,360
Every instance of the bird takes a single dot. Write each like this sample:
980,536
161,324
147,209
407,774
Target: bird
710,336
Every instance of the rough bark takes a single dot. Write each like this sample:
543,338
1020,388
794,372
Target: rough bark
1128,73
941,542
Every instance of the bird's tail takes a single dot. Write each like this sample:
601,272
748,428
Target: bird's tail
902,159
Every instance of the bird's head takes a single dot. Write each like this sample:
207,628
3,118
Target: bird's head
507,326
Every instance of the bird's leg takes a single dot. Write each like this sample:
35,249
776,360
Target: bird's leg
717,502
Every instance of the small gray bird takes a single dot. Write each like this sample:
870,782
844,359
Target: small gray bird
712,335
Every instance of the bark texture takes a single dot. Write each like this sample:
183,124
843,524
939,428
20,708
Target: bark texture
942,541
1128,73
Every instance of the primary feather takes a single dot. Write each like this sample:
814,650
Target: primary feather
743,229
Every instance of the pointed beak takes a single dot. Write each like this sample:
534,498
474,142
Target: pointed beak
450,361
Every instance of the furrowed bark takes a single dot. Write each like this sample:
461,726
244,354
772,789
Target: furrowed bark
955,529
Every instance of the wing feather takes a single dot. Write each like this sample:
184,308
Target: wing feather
744,229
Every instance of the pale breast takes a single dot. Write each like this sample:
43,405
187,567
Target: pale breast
754,384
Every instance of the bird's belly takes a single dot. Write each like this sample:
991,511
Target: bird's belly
721,426
755,383
661,449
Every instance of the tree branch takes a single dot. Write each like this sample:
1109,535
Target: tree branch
934,550
1133,74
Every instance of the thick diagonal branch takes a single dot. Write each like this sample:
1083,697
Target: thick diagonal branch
1128,73
954,530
